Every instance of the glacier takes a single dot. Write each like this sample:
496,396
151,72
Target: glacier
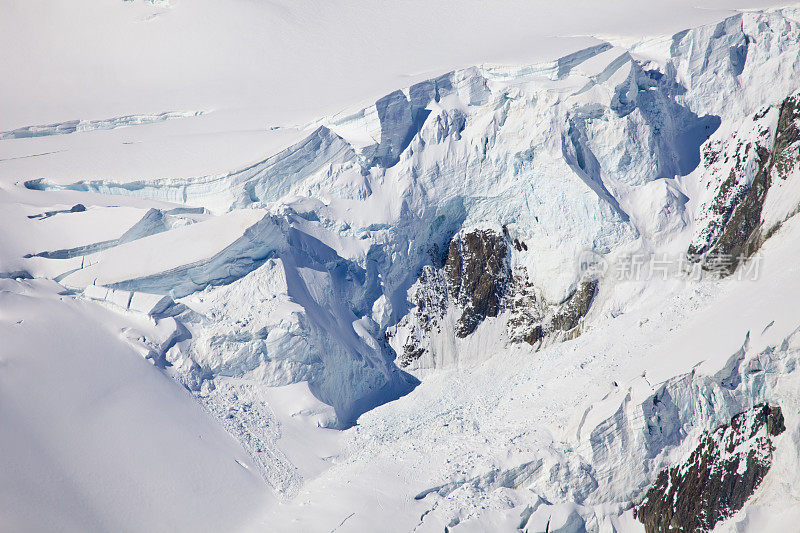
410,257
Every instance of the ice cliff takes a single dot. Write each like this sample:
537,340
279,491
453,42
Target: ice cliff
451,219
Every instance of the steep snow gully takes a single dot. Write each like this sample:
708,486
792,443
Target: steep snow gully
481,213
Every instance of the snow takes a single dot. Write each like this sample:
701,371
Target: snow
453,428
263,183
259,65
156,256
94,439
73,126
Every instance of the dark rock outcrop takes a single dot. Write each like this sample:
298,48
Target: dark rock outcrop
741,232
477,273
785,151
476,281
570,313
719,476
735,231
532,319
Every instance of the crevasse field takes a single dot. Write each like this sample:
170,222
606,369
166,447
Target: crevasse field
461,266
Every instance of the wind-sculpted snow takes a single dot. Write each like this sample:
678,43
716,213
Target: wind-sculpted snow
262,182
448,223
557,156
287,322
77,126
154,221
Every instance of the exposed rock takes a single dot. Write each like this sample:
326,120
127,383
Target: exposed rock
472,279
740,236
526,311
430,301
532,319
476,282
575,307
719,476
787,134
477,272
735,229
534,335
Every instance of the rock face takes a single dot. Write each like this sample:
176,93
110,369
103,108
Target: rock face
477,282
786,138
477,273
736,229
739,236
473,280
718,477
526,313
569,314
533,319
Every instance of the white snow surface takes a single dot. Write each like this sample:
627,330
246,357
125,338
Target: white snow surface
258,248
94,439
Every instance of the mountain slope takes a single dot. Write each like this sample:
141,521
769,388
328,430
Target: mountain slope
502,284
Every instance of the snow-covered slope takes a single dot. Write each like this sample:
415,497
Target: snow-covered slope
506,275
93,439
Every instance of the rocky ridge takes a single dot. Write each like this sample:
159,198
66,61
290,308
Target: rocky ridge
476,283
767,152
718,477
